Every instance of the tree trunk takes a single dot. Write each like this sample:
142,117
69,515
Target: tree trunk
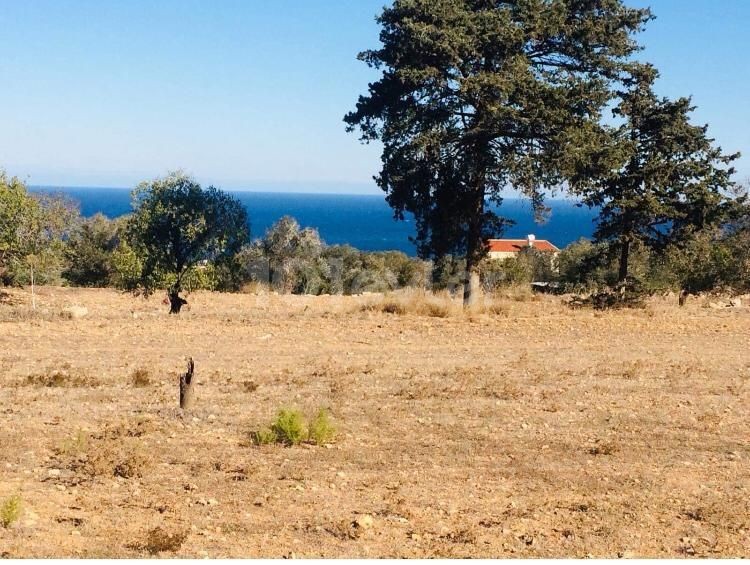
472,288
33,292
186,386
176,302
624,258
474,248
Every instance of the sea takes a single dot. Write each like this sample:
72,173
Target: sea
364,221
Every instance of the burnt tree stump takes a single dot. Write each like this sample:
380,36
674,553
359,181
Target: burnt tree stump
186,386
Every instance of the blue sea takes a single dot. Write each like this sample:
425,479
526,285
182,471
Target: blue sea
363,221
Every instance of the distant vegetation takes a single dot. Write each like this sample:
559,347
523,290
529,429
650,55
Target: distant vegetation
175,242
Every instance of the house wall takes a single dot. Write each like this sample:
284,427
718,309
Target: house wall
502,254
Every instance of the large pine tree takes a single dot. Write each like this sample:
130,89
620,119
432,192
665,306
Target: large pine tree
477,96
667,179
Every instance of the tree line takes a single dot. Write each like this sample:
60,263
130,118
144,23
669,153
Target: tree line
181,237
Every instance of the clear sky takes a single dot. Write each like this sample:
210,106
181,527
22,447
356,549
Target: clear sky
251,93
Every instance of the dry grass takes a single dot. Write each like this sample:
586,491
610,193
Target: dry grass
117,451
255,287
140,378
63,376
531,430
415,302
158,540
442,304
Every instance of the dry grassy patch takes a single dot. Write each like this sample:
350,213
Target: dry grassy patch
63,376
531,431
116,452
159,540
140,378
442,304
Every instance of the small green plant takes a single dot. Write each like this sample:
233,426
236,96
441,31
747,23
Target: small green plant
321,429
10,510
289,427
266,436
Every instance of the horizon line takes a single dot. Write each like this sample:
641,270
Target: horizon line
267,191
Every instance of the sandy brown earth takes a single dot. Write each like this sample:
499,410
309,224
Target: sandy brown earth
533,430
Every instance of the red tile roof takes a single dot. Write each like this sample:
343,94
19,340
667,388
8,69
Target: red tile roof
516,245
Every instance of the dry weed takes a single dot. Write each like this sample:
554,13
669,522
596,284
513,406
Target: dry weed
63,376
140,378
105,455
159,540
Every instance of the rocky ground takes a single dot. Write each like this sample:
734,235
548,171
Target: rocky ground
525,429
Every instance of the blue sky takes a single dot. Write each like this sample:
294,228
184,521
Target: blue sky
251,93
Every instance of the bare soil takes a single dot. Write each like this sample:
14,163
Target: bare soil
528,430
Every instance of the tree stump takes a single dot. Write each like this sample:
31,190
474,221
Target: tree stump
186,386
683,297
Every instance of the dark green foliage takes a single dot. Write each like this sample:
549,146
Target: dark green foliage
477,95
448,273
176,226
356,271
89,251
709,262
33,231
661,179
585,264
16,210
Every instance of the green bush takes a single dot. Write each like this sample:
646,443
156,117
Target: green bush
290,428
321,429
265,436
89,251
126,266
10,510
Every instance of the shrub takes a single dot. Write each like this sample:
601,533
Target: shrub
289,427
265,436
126,267
10,510
321,429
89,251
628,294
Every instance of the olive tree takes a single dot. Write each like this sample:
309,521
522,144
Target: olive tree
176,227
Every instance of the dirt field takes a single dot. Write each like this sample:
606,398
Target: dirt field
530,430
